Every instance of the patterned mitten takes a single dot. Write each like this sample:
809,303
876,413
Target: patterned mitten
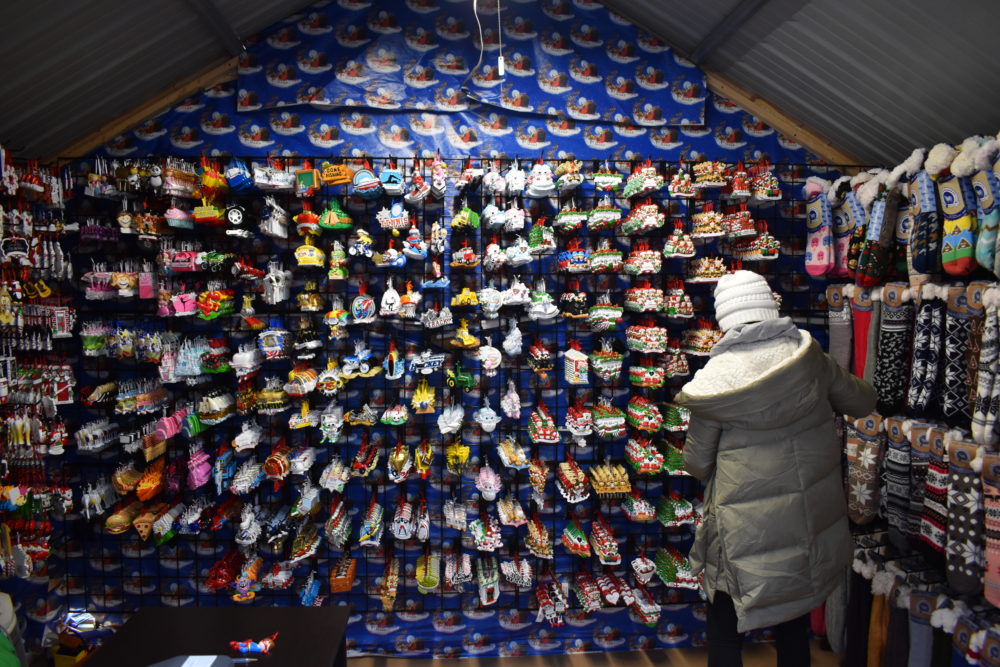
843,227
965,518
991,502
893,355
922,605
985,185
933,519
819,228
897,481
856,246
927,340
984,414
863,318
875,253
865,445
925,238
920,453
977,314
954,390
838,312
958,246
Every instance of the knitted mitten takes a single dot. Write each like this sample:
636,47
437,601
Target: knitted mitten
922,605
819,228
843,227
893,355
958,246
863,318
925,237
855,247
838,312
927,340
954,391
933,520
875,252
985,185
920,453
965,518
991,503
904,223
974,302
984,414
865,446
897,481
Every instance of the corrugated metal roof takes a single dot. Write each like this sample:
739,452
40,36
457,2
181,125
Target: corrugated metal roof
877,79
71,67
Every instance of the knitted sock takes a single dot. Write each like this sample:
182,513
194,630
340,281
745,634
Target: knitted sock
988,217
855,249
843,227
965,519
933,526
954,391
892,360
862,310
958,246
904,225
991,502
974,303
925,238
871,352
859,609
920,452
874,259
819,236
989,655
878,624
897,481
838,312
836,612
897,637
927,340
865,446
922,605
984,413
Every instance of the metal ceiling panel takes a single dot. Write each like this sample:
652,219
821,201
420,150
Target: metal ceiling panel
876,79
90,62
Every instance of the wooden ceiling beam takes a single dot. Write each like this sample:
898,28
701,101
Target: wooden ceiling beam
218,72
780,121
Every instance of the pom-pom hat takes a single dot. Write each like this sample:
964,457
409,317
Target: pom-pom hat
742,297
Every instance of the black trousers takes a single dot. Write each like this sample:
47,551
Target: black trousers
725,644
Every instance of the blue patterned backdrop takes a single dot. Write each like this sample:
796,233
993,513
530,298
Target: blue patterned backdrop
384,79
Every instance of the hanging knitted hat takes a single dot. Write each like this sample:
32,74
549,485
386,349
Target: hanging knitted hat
742,297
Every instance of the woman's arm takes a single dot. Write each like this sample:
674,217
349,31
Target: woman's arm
701,447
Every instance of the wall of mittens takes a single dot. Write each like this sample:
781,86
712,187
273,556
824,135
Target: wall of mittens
430,388
918,318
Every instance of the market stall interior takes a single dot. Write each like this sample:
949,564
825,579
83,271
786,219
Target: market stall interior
385,306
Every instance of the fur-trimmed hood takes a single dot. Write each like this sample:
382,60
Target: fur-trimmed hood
757,386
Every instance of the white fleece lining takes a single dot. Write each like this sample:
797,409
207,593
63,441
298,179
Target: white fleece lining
744,365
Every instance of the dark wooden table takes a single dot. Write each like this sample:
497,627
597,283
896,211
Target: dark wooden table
307,636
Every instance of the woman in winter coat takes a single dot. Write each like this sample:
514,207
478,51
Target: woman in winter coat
775,539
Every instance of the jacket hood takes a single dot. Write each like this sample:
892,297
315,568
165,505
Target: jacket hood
779,396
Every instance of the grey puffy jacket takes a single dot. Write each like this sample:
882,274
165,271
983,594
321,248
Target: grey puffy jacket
775,534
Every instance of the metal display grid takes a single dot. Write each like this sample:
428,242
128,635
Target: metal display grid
120,573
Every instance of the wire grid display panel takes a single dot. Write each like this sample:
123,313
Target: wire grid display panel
121,573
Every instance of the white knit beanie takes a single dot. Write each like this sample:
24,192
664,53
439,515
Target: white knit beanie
742,297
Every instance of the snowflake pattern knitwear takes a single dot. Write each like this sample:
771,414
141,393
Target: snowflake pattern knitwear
965,519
